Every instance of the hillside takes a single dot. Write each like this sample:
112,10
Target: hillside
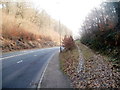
24,27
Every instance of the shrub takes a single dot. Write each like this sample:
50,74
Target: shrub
68,43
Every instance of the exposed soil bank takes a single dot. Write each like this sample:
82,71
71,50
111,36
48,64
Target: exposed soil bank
14,45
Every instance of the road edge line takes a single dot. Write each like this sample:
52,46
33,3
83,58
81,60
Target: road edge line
16,55
21,54
40,81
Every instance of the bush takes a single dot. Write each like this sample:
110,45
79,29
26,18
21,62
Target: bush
68,43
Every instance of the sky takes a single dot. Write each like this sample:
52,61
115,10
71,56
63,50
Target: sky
70,12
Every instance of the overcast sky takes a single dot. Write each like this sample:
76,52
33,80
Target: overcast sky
70,12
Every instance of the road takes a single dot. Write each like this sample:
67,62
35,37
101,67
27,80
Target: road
23,69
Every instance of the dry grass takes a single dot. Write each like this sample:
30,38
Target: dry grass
87,53
18,28
13,28
18,33
69,61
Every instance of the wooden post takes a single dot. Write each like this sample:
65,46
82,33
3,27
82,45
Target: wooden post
60,35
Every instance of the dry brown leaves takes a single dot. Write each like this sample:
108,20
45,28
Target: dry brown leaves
96,74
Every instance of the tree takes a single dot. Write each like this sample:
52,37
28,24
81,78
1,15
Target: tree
68,43
99,26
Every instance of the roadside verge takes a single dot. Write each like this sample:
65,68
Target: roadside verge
53,77
92,72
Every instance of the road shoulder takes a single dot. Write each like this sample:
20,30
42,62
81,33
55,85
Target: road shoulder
53,77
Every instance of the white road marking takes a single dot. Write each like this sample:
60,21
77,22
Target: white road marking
35,55
17,55
39,84
24,53
20,61
13,56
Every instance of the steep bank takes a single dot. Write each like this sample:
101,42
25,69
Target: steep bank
11,45
24,27
18,34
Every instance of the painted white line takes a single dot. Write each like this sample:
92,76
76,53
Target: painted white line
13,56
39,84
35,55
26,52
20,61
17,55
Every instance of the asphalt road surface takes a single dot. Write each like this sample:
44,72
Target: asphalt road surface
23,69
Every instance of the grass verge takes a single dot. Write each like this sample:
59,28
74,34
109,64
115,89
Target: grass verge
69,61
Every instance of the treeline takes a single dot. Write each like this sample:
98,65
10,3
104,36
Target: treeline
20,19
101,30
